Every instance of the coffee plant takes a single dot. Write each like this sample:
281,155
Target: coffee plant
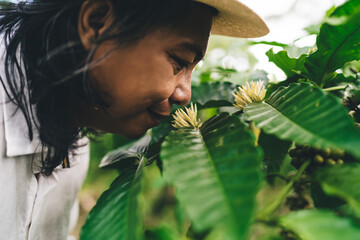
280,165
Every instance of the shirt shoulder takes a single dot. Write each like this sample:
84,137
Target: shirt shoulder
14,126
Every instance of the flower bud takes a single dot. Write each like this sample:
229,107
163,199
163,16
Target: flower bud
319,159
330,161
340,161
253,92
187,118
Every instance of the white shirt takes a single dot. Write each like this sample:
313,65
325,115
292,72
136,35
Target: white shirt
34,209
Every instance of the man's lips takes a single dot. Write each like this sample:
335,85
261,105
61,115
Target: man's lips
158,116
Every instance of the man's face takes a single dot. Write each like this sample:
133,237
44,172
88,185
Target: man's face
141,82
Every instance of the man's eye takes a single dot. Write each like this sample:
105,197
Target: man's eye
179,64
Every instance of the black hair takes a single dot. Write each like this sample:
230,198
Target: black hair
45,62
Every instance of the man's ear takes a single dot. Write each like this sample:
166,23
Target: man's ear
94,18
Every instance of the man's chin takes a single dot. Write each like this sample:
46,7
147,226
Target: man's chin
131,129
138,133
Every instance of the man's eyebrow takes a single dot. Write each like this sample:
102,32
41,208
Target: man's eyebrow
193,47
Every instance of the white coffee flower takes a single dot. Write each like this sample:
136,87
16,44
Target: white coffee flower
253,92
187,118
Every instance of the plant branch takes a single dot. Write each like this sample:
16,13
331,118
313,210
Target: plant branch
334,88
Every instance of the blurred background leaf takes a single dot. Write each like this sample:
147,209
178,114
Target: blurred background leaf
320,225
343,182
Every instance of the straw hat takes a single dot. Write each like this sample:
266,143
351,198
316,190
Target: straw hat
236,20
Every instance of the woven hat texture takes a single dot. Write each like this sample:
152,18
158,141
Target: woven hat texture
236,20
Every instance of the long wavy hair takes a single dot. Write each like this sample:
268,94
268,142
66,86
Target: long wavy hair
45,61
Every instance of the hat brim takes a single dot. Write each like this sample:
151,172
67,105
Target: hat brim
236,20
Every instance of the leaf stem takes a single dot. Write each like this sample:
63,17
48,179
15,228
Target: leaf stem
334,88
256,131
264,215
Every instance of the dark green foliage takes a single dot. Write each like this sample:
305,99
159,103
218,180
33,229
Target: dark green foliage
161,233
322,200
214,172
275,151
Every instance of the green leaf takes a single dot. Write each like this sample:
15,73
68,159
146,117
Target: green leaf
215,173
342,181
306,115
320,225
162,233
338,43
208,95
159,132
348,212
322,200
275,151
127,155
115,215
285,63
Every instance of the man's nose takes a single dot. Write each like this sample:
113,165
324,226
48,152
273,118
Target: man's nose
182,91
